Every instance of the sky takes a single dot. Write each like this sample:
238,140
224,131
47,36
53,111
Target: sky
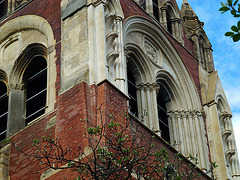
226,53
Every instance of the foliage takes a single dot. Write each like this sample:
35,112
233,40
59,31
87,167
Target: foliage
234,8
114,150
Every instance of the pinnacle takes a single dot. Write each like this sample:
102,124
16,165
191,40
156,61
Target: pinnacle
186,9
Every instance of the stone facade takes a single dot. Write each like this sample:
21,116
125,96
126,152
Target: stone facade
140,55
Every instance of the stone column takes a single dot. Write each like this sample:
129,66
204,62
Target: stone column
155,89
192,134
173,28
177,29
199,140
143,104
186,134
164,16
16,110
174,135
149,7
120,65
210,60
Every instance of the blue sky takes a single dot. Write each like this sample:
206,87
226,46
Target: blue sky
226,53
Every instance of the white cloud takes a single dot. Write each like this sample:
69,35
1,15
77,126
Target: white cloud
233,96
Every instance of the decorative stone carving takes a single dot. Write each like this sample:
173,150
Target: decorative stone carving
148,86
151,52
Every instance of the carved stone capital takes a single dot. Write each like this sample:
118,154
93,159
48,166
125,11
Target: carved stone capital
148,86
16,86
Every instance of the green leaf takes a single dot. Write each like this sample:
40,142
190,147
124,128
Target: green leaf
234,28
224,9
230,2
236,37
229,33
223,4
237,15
238,25
239,8
233,12
235,3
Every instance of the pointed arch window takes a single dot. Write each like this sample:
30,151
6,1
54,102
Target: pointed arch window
132,91
162,99
155,9
35,78
3,110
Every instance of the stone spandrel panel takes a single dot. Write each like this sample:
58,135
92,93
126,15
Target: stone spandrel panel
74,61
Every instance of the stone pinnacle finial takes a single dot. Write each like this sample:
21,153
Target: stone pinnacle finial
186,9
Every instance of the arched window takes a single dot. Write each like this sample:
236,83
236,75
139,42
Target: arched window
3,110
3,8
155,9
35,80
132,91
162,99
169,22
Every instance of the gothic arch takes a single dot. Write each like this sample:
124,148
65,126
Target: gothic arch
168,69
140,25
27,22
115,7
222,104
174,12
37,39
33,50
174,91
137,57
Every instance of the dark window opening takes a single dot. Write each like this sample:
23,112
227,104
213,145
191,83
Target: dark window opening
142,4
162,99
3,110
132,92
36,88
3,8
169,23
155,9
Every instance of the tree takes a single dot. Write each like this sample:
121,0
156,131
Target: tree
115,151
234,7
